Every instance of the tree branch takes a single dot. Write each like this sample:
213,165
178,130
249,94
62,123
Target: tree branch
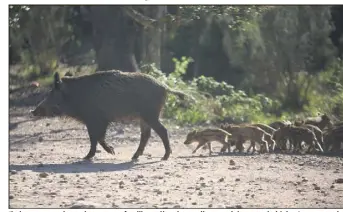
146,21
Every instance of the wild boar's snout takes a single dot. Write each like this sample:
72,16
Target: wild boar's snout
34,112
39,111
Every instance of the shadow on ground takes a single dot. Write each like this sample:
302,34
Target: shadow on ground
206,155
20,139
326,154
81,167
14,125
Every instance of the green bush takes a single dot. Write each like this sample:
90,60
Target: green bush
214,100
214,88
218,100
326,94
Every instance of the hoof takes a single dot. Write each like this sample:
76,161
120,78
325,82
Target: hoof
137,154
165,157
112,152
223,150
86,160
134,160
135,157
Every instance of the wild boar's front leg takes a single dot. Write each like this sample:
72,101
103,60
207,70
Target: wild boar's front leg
239,144
145,135
297,145
317,143
200,144
162,132
226,145
252,145
264,144
272,145
292,145
311,148
209,148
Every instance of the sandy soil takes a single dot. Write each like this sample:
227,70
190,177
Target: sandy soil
47,171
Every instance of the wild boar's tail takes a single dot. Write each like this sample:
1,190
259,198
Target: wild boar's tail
180,94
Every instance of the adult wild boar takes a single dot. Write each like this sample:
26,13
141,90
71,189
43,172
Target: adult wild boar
104,97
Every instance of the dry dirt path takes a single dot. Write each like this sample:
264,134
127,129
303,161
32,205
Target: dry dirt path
46,171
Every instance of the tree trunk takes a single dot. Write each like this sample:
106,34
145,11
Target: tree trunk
114,35
167,64
152,37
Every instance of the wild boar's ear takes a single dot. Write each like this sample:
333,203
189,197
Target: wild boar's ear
68,74
57,81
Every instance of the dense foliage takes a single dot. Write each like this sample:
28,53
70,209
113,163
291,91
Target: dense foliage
217,101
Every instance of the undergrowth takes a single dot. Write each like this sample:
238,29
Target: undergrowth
218,101
215,101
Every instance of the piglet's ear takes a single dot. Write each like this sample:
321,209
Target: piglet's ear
57,81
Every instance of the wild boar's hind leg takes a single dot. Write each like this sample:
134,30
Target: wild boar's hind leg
145,135
162,132
97,132
107,148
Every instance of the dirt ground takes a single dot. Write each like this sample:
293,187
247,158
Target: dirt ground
47,171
